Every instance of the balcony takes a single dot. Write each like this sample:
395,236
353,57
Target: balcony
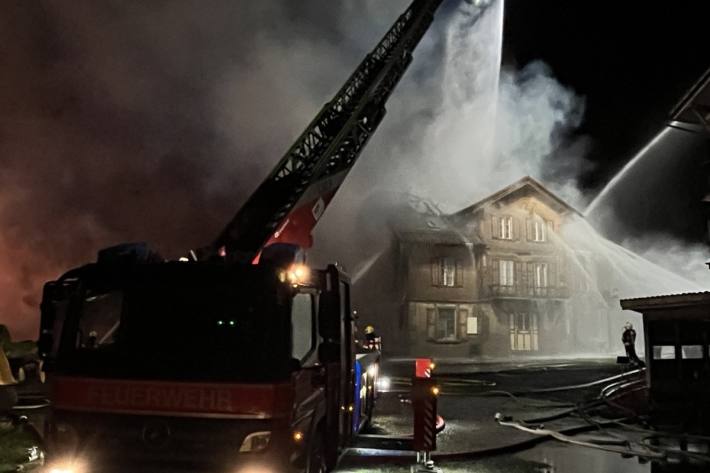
497,291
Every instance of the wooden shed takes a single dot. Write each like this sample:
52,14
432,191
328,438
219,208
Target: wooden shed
677,336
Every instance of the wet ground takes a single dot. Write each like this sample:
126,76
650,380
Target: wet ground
473,440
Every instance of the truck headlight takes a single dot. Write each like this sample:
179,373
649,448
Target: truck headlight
255,442
67,465
383,384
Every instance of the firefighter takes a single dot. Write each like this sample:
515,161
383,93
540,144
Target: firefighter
371,338
629,339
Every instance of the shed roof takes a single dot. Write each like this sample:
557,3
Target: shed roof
643,304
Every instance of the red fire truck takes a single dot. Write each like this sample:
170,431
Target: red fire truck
239,357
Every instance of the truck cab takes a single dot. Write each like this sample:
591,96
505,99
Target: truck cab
238,367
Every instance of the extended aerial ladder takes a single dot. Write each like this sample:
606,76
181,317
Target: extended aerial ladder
113,333
287,205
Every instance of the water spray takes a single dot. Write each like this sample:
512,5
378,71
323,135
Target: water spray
615,180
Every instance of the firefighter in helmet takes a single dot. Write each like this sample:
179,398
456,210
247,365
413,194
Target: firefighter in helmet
372,340
629,339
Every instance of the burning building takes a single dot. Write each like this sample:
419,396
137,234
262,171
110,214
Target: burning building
498,279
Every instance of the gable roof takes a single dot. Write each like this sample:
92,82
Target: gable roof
526,183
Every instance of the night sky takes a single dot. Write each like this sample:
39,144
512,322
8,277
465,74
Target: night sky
632,61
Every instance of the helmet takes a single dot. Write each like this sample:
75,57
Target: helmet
369,330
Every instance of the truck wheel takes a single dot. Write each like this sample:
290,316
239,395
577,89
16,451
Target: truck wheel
316,457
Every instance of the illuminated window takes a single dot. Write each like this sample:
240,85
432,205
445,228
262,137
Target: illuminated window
692,352
506,227
664,352
506,272
540,274
445,272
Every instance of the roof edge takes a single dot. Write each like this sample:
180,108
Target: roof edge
519,184
641,304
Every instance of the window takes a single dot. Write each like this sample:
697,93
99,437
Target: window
450,323
523,331
540,275
506,272
506,227
446,324
303,326
538,230
664,352
446,272
100,319
692,352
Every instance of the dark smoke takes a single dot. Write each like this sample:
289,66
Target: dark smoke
151,121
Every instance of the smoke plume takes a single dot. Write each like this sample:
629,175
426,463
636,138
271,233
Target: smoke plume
152,121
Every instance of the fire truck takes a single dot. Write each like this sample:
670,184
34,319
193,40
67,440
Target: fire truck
238,356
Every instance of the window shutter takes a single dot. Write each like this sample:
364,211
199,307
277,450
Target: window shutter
495,226
462,321
458,276
552,275
496,271
516,228
529,230
430,323
531,277
435,270
517,273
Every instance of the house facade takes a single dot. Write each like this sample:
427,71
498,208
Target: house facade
492,280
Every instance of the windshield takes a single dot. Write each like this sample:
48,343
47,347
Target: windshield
192,328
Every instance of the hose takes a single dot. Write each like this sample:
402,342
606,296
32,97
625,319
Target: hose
539,431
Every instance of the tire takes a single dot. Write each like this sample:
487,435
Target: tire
316,457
